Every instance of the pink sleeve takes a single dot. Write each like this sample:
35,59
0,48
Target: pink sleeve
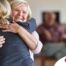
39,45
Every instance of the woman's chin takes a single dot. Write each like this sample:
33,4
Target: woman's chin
18,20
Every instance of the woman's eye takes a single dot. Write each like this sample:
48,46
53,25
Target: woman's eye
16,10
24,12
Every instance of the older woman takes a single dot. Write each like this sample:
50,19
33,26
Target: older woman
22,12
19,48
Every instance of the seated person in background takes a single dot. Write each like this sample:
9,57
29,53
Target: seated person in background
52,35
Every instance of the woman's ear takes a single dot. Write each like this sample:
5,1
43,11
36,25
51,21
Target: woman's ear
1,14
28,17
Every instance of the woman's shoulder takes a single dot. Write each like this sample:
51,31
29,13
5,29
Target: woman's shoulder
32,20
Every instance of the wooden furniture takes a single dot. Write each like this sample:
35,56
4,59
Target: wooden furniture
44,61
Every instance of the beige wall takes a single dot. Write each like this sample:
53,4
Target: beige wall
38,6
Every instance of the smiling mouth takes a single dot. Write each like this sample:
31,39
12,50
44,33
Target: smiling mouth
20,20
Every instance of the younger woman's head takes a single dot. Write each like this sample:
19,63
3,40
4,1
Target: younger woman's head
5,9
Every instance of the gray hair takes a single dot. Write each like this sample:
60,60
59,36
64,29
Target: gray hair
18,2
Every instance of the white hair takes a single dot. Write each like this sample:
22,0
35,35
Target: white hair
18,2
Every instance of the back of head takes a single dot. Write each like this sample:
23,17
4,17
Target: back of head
5,9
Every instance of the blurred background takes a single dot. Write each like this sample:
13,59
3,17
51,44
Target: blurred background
39,8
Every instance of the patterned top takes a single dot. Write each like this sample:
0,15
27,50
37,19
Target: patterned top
56,33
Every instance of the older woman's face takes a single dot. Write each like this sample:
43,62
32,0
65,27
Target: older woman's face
20,12
1,14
